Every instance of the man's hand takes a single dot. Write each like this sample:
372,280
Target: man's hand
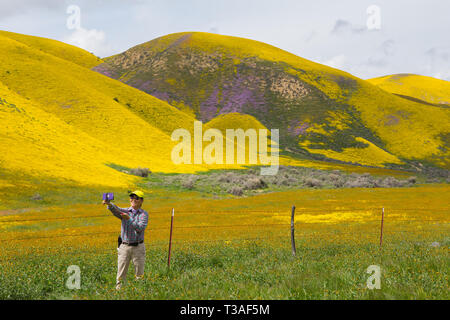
125,216
106,202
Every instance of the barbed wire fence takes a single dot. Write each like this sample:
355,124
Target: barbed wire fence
289,226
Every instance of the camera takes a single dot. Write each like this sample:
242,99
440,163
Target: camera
108,196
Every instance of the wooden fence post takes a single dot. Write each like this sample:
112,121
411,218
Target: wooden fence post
170,239
381,231
294,252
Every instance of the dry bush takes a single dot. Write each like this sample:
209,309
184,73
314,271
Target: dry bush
359,183
36,197
140,172
313,182
338,182
225,177
255,183
412,180
391,182
237,191
189,183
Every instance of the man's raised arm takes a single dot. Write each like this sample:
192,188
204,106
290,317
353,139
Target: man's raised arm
116,211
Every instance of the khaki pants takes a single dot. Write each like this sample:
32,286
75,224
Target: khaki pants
125,255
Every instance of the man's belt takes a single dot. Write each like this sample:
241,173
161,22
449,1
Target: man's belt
133,244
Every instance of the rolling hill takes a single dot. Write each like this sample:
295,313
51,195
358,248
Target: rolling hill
63,121
319,110
415,87
56,48
64,124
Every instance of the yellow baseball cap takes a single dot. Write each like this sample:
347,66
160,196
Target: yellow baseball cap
138,193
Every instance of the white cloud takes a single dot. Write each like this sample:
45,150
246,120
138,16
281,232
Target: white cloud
444,75
438,62
412,38
342,26
337,62
92,40
9,9
213,30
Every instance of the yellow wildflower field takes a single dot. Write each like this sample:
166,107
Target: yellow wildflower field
240,248
321,215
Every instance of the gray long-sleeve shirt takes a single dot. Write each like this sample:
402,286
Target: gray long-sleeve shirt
132,230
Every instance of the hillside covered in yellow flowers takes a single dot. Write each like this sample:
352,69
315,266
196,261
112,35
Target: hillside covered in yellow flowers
424,89
71,117
62,120
318,109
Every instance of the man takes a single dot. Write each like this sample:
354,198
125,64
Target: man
134,221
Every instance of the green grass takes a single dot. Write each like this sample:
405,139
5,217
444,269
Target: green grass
172,185
53,192
331,261
55,195
410,270
219,182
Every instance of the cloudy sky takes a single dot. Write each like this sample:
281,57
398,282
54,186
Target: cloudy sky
366,38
